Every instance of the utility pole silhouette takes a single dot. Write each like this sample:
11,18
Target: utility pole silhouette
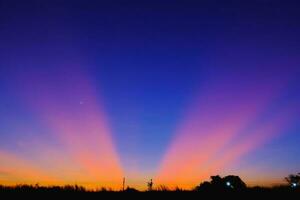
150,184
123,184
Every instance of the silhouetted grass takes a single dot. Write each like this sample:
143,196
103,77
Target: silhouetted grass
157,190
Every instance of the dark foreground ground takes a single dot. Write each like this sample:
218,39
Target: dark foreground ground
74,191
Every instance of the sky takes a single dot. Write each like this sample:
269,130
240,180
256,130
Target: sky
177,91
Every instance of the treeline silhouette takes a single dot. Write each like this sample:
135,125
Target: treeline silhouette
217,185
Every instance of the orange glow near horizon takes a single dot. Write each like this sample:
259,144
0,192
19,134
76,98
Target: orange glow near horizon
14,170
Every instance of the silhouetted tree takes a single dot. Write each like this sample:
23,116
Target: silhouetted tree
205,186
234,182
293,180
218,183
